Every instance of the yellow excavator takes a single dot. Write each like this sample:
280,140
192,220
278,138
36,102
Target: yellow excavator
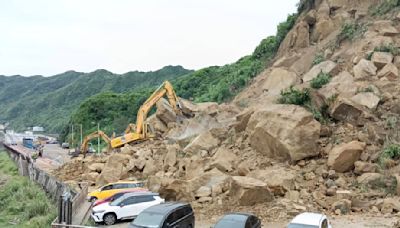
141,131
84,147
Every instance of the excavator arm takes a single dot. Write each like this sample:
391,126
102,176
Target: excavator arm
141,132
85,143
165,89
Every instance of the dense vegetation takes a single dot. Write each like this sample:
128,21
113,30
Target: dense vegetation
114,111
22,203
49,101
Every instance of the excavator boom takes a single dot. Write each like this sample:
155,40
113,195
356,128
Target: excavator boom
141,132
85,143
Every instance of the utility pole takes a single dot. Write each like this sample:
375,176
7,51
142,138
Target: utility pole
72,136
81,134
98,138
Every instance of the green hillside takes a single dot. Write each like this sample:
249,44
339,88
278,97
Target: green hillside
113,111
49,101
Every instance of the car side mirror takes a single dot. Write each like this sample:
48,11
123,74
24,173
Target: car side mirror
121,205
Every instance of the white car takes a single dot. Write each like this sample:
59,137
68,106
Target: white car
310,220
127,206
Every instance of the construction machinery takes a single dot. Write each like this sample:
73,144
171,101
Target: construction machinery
84,147
141,130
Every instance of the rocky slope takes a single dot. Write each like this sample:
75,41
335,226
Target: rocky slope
328,143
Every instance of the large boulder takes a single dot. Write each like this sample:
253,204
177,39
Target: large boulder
323,28
342,84
224,160
389,71
204,141
381,59
247,191
278,179
342,157
278,80
242,119
327,67
96,167
345,110
370,178
165,112
361,167
113,169
170,157
284,132
368,99
364,69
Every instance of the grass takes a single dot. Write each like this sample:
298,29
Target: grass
319,58
321,79
351,31
385,7
22,202
294,96
391,48
368,89
390,152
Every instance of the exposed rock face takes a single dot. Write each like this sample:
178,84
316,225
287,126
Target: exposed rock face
391,205
342,157
284,132
327,67
381,59
369,100
345,110
364,69
249,191
278,80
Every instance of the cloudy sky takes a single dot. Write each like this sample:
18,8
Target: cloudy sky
47,37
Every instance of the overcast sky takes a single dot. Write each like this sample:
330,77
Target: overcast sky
48,37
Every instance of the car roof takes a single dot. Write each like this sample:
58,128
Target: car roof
308,218
236,216
128,194
165,207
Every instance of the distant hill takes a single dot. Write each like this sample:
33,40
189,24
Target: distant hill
49,101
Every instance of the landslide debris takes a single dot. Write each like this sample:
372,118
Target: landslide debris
333,152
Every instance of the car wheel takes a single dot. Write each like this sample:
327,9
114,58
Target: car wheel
92,199
109,219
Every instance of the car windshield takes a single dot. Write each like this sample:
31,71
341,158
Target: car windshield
148,219
231,220
117,201
295,225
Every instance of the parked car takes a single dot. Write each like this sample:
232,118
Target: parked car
168,215
238,220
127,206
310,220
116,196
112,188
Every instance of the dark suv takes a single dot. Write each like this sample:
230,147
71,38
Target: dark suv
165,215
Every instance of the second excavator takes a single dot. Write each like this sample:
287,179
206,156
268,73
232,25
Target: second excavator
141,130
